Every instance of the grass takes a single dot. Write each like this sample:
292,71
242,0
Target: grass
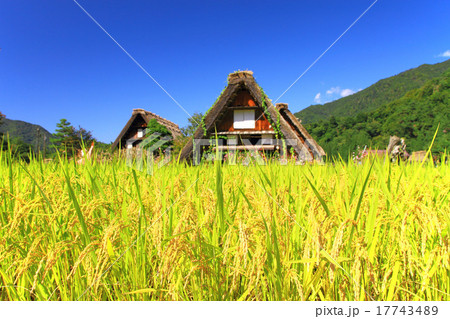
103,231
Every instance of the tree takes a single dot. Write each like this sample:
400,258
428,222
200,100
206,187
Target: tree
194,122
187,132
21,150
2,116
65,137
333,122
154,127
68,139
84,137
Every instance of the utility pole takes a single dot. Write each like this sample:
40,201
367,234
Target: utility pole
38,137
45,139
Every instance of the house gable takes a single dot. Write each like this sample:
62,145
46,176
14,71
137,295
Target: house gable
241,91
242,107
138,121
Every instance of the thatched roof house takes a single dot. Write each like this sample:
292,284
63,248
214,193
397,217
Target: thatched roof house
133,132
245,116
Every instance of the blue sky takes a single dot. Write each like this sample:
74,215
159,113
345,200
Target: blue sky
56,63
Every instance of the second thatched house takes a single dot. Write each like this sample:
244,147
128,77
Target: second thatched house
244,118
134,131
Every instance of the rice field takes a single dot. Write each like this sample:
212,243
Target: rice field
103,231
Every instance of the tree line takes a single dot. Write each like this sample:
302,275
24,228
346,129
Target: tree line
66,140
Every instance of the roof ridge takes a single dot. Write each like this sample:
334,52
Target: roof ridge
156,116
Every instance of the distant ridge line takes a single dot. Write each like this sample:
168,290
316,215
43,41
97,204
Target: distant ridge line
381,92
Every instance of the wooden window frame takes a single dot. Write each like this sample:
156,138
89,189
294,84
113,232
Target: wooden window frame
240,122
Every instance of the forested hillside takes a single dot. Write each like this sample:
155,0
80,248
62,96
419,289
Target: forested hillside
27,132
414,117
25,137
380,93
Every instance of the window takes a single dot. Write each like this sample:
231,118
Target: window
140,132
244,119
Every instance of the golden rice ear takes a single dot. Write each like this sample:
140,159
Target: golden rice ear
159,238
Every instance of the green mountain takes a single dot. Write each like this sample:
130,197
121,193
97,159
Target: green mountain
369,99
29,133
414,117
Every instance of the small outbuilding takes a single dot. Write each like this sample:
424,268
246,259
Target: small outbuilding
134,131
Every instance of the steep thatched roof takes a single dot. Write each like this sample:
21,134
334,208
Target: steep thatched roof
315,148
147,116
245,80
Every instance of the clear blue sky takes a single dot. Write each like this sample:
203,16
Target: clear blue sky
56,63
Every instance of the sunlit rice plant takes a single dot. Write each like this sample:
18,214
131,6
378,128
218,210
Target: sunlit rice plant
340,231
